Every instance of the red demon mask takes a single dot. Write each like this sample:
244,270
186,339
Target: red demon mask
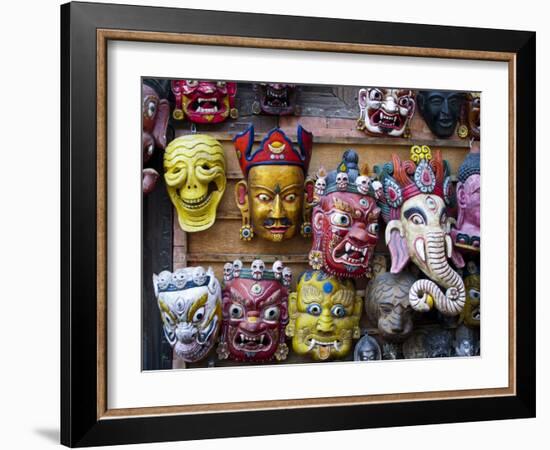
255,313
204,101
345,221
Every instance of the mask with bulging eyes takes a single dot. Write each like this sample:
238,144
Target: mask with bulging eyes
202,101
255,313
345,222
190,309
324,316
385,112
194,171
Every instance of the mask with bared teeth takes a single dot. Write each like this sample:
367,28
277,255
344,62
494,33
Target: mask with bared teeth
385,112
204,101
255,313
345,222
324,316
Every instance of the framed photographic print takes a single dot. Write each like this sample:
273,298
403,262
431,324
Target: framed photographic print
273,224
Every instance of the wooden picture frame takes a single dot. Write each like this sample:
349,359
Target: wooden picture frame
85,417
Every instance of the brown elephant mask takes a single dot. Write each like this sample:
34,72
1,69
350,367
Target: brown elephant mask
155,112
415,193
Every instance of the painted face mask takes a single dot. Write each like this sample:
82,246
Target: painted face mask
276,99
345,221
433,343
387,304
204,101
367,349
392,350
274,198
465,233
440,110
385,112
466,342
471,314
155,115
189,301
470,117
414,206
324,316
255,313
194,172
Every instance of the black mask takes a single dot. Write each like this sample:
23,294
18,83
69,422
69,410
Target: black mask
440,110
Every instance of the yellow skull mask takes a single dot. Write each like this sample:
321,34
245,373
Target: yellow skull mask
324,316
194,171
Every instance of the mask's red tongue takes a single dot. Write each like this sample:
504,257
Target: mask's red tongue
324,352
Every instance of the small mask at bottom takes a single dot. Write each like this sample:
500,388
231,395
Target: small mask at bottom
189,301
255,313
324,316
367,349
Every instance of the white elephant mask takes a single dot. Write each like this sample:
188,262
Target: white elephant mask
414,205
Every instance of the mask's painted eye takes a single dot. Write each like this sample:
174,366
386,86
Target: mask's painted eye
474,294
386,309
375,95
192,83
264,197
221,84
236,311
476,102
340,220
417,219
404,102
373,228
338,311
199,315
151,109
206,166
272,313
314,309
290,197
364,202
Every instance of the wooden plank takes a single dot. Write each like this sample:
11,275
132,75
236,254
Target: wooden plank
157,256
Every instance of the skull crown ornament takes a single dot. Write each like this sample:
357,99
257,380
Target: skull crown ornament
274,198
344,220
194,172
416,192
255,312
189,302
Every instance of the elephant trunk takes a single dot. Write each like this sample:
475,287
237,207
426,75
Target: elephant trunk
423,291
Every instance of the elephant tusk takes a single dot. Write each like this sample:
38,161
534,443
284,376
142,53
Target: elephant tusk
449,245
419,247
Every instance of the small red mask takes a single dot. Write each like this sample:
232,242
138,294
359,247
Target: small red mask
204,101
